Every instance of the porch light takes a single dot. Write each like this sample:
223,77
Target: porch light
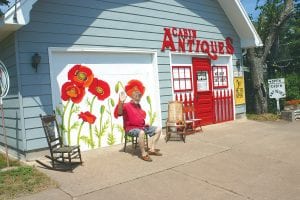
35,61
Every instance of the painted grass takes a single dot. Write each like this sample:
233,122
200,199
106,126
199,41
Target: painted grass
22,180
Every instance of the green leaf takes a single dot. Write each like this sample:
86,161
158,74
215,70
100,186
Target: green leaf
76,109
117,87
58,111
112,102
120,128
102,109
88,103
87,140
149,100
104,128
75,126
152,120
111,139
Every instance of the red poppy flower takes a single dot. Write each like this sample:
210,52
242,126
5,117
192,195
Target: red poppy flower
73,92
87,117
81,76
100,89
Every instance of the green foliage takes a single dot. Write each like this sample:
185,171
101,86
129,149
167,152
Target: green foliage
263,117
111,139
87,140
118,85
269,15
152,115
21,180
100,131
122,131
3,162
112,102
283,59
292,86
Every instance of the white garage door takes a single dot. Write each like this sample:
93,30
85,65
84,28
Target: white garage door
86,119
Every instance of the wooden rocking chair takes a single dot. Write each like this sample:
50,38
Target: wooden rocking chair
176,123
60,154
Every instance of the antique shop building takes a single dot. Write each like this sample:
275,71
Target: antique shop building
180,49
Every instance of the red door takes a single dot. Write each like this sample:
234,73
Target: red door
203,97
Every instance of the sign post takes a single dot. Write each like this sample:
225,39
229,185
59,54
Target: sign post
277,90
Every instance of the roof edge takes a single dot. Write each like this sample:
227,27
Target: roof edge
241,23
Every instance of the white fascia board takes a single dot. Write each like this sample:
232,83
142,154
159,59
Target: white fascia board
241,23
15,17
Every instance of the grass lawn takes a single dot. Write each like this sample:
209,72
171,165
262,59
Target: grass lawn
263,117
22,180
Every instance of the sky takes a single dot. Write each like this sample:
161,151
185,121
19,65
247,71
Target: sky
249,6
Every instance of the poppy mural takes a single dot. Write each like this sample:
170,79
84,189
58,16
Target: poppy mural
86,109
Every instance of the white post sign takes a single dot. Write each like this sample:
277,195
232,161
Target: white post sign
277,90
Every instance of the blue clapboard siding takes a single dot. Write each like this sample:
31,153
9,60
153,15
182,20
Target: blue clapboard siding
11,103
135,24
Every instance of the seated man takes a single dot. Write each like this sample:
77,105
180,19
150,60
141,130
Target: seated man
134,118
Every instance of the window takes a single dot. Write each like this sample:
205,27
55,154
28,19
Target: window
220,77
182,78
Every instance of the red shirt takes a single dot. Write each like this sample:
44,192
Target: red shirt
133,116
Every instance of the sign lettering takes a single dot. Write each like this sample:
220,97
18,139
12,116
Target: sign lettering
187,41
277,88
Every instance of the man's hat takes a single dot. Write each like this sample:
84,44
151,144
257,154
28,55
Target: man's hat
134,85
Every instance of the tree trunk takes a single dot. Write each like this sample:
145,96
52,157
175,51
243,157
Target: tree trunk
259,87
257,59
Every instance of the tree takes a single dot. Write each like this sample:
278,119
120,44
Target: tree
274,14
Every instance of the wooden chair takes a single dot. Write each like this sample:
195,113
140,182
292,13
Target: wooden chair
189,111
60,154
134,140
176,123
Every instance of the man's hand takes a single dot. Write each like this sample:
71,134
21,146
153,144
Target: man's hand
122,96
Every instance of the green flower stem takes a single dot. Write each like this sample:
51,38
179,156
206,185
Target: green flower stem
63,118
69,124
78,136
111,118
90,126
100,128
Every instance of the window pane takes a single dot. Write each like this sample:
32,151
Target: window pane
188,84
182,85
187,72
181,73
175,73
176,85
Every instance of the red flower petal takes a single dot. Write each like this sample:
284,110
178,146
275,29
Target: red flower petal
87,117
81,76
100,89
73,92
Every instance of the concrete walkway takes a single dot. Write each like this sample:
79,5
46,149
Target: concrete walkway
240,160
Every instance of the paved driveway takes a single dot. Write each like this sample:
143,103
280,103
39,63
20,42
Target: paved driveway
238,160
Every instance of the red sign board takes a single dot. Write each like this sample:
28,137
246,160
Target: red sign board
187,41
